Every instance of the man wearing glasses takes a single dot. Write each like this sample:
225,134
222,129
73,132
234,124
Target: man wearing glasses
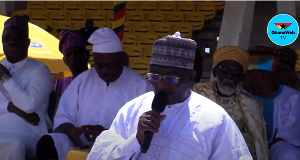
230,63
190,127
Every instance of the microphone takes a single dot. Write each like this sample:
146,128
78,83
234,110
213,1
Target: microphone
158,105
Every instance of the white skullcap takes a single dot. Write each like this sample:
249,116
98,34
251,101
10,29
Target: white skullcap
105,40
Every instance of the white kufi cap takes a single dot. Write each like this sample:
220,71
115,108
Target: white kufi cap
105,40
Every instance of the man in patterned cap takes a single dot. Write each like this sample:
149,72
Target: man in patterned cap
190,127
72,46
91,102
25,86
230,63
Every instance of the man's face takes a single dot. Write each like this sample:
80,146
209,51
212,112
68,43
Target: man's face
76,58
174,88
108,66
229,74
15,44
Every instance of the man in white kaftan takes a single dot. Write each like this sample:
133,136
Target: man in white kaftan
24,92
93,98
191,126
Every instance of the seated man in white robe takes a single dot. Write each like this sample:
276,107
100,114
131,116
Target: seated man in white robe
92,100
190,127
25,85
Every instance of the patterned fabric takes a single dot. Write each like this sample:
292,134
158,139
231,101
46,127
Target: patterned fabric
69,39
62,84
231,53
119,18
18,22
246,113
174,51
288,56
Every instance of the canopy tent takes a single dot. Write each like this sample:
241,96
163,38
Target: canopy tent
43,47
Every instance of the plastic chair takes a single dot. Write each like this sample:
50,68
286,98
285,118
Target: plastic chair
196,20
166,6
208,9
21,12
57,16
133,52
127,27
147,6
91,6
95,15
174,18
186,7
155,17
107,6
141,28
77,155
109,15
135,17
146,40
141,66
72,5
161,29
76,25
76,16
42,24
35,5
147,53
220,5
102,24
54,5
38,16
132,6
185,29
58,26
129,39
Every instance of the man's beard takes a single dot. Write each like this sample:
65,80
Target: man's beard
226,87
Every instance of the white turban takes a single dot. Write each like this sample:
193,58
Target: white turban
105,40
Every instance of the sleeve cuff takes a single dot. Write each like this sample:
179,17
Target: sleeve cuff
132,145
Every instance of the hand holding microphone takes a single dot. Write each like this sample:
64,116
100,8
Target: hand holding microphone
149,122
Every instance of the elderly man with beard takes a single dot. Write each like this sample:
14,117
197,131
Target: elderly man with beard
230,63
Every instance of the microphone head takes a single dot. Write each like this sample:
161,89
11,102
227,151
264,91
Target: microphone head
160,101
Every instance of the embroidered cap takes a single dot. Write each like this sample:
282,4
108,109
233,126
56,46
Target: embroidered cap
69,39
174,51
105,40
17,21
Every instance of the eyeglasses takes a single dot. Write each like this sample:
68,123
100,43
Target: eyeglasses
167,78
232,70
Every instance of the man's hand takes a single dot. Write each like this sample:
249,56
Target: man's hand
149,121
31,118
92,131
74,135
3,70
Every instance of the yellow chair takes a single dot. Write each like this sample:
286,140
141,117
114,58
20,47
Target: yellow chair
59,25
107,6
140,65
91,6
185,29
127,27
55,16
129,39
147,6
76,25
174,18
146,40
220,5
186,7
95,15
102,24
41,24
72,5
135,17
161,29
35,5
208,9
53,5
147,53
109,15
76,16
132,6
166,6
21,12
141,28
196,20
77,155
133,52
157,17
38,16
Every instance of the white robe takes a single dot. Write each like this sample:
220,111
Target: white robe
196,129
29,89
286,121
89,101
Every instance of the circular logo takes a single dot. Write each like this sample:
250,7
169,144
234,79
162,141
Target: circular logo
283,29
35,45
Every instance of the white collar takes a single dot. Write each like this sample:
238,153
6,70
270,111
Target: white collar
13,66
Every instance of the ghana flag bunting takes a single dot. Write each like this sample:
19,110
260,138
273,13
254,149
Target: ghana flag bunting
119,18
282,25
